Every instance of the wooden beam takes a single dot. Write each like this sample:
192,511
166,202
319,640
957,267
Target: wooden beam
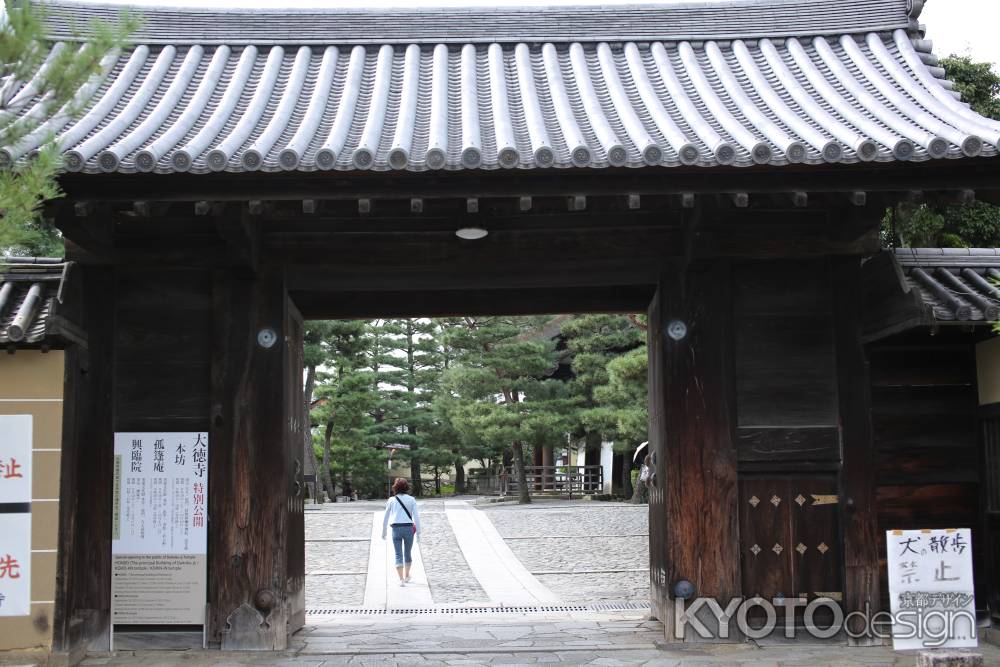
890,177
858,511
362,304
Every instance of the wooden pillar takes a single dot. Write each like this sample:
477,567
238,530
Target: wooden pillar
83,576
693,512
548,460
249,468
859,518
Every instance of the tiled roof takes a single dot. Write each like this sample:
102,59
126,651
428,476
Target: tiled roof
840,81
30,289
957,285
672,21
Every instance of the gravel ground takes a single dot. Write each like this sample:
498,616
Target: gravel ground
449,576
549,536
335,590
590,588
336,556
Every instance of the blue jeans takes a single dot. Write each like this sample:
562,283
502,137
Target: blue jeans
402,543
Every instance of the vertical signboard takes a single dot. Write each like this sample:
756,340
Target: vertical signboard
159,528
15,515
931,588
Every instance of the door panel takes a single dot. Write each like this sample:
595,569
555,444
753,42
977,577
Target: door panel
295,545
789,537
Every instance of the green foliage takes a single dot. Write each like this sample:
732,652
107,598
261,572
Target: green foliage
612,407
977,82
976,224
474,388
57,75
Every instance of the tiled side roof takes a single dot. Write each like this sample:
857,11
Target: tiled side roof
742,102
29,291
956,285
691,20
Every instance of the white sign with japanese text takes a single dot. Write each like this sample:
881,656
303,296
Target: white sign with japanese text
15,515
159,528
15,459
931,588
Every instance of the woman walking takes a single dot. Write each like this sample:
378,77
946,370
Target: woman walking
402,516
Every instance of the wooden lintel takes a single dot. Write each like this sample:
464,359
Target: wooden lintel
634,202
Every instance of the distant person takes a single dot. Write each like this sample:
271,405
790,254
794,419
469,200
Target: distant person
401,514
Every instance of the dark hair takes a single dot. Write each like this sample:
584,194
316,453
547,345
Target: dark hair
400,486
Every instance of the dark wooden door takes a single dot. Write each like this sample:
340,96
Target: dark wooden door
295,545
789,537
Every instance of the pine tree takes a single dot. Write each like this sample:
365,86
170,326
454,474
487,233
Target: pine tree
346,396
27,184
502,387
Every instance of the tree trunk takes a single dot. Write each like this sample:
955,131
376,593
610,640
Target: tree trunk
325,473
459,477
523,495
308,453
416,481
637,492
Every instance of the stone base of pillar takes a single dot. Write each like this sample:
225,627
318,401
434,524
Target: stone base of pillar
949,658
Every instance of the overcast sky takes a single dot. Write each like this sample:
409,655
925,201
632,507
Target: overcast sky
956,26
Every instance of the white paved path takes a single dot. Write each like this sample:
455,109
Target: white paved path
502,576
382,589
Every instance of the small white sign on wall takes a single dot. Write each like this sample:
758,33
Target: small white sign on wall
931,588
15,515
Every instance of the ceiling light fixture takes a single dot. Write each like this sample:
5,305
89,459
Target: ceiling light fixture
471,233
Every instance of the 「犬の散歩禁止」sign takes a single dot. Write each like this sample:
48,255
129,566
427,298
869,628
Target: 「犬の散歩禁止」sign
159,528
931,588
15,515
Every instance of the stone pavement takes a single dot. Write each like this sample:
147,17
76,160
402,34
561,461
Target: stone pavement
560,551
556,558
525,640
